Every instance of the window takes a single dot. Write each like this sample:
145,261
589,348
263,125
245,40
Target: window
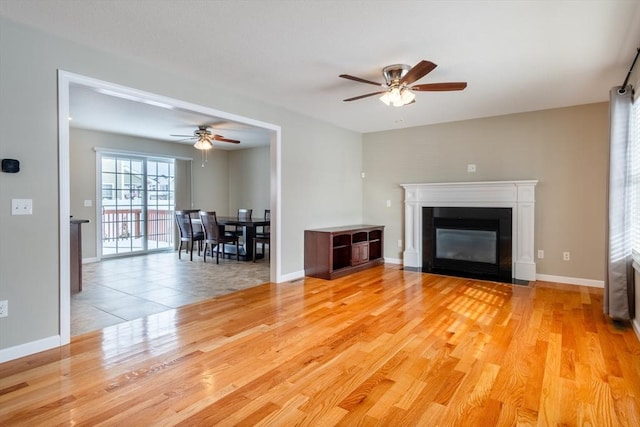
107,191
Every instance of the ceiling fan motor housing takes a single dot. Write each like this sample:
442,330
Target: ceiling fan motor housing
202,132
394,73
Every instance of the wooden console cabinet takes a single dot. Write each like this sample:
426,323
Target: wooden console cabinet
338,251
75,254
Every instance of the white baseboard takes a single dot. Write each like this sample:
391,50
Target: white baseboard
90,260
545,277
571,280
29,348
635,323
291,276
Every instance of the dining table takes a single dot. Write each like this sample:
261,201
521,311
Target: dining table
248,231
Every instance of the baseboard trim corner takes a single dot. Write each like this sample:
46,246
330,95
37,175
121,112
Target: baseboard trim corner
291,276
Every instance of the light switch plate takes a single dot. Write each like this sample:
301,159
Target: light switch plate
21,206
88,203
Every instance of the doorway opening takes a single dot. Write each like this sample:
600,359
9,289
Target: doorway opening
65,81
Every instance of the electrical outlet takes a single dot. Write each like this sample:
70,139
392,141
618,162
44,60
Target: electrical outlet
4,308
21,206
88,203
566,256
540,254
399,243
388,203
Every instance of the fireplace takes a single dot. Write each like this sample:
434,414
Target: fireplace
516,196
461,241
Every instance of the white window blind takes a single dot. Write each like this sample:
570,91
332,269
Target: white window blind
634,158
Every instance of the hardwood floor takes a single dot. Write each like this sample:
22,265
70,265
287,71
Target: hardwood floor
120,289
380,347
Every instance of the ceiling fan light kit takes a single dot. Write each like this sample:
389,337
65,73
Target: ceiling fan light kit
398,77
398,97
203,144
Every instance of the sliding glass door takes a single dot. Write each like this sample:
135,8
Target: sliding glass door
137,203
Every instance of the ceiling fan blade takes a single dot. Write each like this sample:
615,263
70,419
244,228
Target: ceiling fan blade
358,79
363,96
191,138
419,70
438,87
184,136
220,138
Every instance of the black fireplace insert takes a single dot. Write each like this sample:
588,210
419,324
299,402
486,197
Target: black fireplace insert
467,242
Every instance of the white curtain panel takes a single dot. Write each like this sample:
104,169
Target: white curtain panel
618,295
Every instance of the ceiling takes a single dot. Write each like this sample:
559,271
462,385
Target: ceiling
91,108
516,56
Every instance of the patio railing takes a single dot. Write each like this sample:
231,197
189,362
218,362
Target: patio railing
127,224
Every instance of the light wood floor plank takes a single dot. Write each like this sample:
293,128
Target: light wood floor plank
381,347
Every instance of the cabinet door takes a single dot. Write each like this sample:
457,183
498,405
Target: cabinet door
359,253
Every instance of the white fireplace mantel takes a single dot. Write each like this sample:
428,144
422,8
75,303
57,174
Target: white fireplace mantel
517,195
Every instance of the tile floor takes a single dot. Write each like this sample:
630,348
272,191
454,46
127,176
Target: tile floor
123,289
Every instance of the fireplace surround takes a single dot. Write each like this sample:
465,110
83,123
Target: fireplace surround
519,196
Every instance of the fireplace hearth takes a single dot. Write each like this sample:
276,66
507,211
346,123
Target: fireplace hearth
467,242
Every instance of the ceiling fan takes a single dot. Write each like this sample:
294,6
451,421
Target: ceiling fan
204,138
398,77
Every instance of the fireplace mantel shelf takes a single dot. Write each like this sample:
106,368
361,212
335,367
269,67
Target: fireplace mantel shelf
517,195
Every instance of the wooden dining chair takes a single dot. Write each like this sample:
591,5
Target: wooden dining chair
243,215
264,230
187,233
263,236
214,238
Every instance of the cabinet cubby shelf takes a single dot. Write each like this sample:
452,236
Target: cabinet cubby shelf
338,251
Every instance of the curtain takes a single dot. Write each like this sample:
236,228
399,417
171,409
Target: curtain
618,290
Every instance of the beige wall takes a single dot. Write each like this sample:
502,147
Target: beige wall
565,149
249,180
317,189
